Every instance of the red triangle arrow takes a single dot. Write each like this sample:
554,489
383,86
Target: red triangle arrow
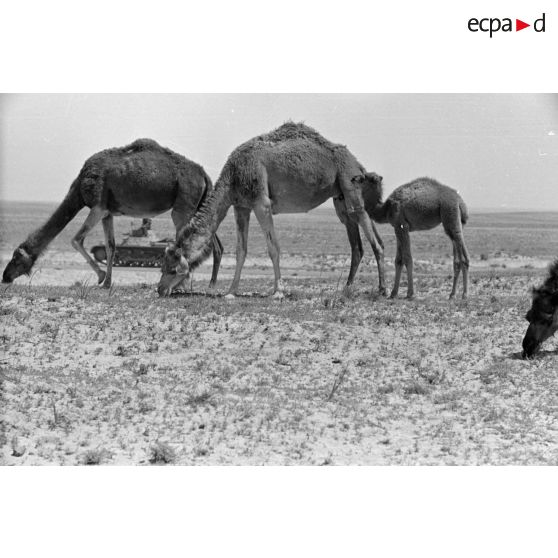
519,25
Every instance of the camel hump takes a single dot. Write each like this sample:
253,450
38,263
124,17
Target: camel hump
142,144
292,131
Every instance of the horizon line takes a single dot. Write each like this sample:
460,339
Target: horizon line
476,209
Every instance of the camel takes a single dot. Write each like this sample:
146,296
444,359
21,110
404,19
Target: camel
419,205
543,315
140,179
291,169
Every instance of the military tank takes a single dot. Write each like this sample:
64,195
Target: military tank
137,250
133,255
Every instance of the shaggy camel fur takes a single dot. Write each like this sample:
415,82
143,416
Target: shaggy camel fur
543,315
419,205
289,170
140,179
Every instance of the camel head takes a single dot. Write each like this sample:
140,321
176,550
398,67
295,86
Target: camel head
542,318
371,187
20,264
174,270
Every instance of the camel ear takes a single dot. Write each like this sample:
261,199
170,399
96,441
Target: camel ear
359,179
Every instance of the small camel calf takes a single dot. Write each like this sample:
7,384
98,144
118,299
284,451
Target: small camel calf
419,205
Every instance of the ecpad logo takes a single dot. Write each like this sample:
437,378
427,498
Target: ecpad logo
492,25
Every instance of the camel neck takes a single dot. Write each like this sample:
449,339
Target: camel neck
198,234
380,212
39,239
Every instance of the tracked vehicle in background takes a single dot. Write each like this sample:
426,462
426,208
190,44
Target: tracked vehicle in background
139,249
148,254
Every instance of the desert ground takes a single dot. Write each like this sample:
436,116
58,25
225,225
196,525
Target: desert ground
324,377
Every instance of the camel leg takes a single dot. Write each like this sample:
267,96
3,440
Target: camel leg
242,216
354,239
356,250
95,215
404,240
217,255
179,216
364,221
355,210
456,267
454,229
463,262
377,234
110,245
398,269
263,213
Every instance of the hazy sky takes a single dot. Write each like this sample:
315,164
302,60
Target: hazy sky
498,150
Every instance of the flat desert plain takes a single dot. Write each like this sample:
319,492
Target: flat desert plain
324,377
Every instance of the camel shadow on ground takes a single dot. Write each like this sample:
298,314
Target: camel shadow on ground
204,294
539,355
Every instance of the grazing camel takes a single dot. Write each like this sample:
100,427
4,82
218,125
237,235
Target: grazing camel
419,205
140,179
543,315
292,169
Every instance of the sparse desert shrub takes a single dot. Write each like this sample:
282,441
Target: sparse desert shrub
161,453
415,388
201,451
385,389
82,289
201,395
18,450
386,319
496,372
337,382
94,456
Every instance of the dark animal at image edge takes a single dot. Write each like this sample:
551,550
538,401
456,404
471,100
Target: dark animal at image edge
142,179
543,315
292,169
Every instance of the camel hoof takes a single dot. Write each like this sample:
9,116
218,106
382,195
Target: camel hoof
101,277
382,292
410,297
393,296
230,296
106,285
278,295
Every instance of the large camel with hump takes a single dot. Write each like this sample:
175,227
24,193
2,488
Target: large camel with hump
419,205
543,314
142,179
289,170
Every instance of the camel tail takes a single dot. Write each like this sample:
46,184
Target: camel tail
39,239
464,212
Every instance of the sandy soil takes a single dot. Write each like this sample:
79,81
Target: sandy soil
325,377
